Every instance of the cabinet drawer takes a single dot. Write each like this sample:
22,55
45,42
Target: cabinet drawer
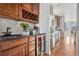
17,51
13,43
31,47
32,42
32,38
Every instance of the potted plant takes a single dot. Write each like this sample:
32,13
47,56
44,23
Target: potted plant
25,28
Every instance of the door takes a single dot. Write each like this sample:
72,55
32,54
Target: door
57,18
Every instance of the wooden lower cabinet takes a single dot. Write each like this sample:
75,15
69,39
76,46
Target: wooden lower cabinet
0,53
32,53
26,46
32,50
31,46
16,47
18,51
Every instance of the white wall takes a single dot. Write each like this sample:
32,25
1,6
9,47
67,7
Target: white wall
65,9
69,11
4,23
77,40
44,21
15,25
62,23
57,9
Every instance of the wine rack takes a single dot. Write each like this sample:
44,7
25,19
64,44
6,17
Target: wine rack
28,15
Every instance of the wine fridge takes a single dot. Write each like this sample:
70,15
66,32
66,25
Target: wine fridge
40,45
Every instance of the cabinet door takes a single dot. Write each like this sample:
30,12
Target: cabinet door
26,6
31,7
19,51
32,46
32,53
26,51
0,53
35,7
9,9
40,45
0,7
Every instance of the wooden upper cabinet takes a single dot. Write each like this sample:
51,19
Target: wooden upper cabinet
28,12
31,7
35,7
9,10
26,6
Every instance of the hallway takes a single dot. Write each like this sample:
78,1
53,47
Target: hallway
65,47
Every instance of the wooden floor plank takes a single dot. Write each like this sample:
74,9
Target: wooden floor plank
65,47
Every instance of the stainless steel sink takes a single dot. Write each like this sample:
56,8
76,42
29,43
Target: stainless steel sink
10,36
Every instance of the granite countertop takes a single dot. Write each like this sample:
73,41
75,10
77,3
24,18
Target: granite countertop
11,37
17,37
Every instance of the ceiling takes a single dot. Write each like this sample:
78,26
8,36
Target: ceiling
68,10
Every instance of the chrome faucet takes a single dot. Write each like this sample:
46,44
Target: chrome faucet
7,33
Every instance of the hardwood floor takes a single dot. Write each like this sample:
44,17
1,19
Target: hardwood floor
65,47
